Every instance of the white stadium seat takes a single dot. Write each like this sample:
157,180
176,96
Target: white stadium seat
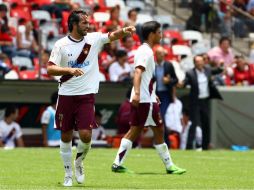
41,15
22,61
192,35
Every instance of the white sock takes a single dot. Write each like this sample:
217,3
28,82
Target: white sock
162,150
66,154
82,150
123,150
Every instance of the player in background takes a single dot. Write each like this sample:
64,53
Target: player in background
51,136
75,59
145,110
10,131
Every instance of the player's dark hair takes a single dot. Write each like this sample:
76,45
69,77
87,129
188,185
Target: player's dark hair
54,98
10,110
149,27
120,53
74,18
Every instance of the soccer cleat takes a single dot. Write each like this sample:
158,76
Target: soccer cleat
79,172
67,181
119,169
175,170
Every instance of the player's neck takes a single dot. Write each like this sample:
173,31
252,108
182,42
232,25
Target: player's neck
149,43
8,120
75,36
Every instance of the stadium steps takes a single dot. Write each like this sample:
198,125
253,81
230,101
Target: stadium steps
180,16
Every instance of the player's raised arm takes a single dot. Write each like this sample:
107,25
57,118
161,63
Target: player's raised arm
120,33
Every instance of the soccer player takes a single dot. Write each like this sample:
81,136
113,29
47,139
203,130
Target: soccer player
75,59
10,131
145,110
51,137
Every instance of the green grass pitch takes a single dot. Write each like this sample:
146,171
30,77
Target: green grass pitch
39,168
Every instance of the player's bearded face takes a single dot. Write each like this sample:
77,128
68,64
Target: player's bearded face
83,26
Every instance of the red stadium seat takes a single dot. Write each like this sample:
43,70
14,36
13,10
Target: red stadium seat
28,75
21,11
173,37
169,56
40,2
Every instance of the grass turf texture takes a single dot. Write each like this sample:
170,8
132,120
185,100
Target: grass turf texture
39,168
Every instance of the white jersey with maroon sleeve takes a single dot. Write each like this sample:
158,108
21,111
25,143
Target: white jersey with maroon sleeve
9,133
144,57
82,54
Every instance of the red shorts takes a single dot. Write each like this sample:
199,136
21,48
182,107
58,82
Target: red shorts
75,112
146,114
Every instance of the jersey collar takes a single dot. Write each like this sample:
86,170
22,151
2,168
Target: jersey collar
74,40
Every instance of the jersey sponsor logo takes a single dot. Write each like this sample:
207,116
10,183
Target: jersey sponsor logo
75,64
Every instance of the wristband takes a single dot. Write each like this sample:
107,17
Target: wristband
124,31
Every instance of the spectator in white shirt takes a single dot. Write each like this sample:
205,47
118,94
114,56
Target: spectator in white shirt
120,70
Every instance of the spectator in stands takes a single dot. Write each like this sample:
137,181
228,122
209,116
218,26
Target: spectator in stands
114,20
200,19
222,53
132,17
128,45
10,131
166,79
107,57
98,133
250,7
57,7
232,20
120,70
51,136
6,41
44,61
26,43
202,90
242,73
4,68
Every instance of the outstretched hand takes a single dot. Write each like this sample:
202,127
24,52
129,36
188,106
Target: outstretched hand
129,30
